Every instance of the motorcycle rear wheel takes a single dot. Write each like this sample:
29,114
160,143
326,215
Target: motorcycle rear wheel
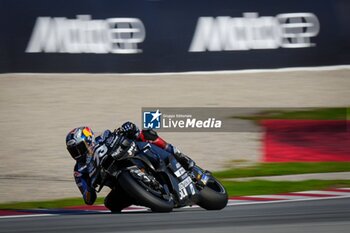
142,196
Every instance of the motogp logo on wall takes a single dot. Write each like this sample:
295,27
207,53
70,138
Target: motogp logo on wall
224,33
86,35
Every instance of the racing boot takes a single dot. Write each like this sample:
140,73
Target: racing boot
185,161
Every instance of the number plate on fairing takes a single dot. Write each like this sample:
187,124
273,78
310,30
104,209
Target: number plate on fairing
186,187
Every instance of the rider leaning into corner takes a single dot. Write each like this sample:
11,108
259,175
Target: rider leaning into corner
86,150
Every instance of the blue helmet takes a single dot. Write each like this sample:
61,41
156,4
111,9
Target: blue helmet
80,143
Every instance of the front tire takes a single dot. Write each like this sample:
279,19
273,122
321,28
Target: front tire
213,196
142,196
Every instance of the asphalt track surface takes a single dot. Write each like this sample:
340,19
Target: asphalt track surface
331,215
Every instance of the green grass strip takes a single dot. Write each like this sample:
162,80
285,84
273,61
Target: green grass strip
50,204
305,114
275,169
262,187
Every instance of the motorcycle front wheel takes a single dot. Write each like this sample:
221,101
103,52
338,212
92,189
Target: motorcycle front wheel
213,196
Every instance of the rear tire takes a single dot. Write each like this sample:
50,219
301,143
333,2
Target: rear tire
117,200
213,196
142,196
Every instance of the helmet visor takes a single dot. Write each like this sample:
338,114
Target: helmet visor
79,151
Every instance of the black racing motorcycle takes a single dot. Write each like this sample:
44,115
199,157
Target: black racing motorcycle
152,177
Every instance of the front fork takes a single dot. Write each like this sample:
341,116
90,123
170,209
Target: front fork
199,176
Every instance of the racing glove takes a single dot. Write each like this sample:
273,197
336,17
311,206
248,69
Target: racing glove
130,130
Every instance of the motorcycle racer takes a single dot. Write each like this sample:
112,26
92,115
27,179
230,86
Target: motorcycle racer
89,152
